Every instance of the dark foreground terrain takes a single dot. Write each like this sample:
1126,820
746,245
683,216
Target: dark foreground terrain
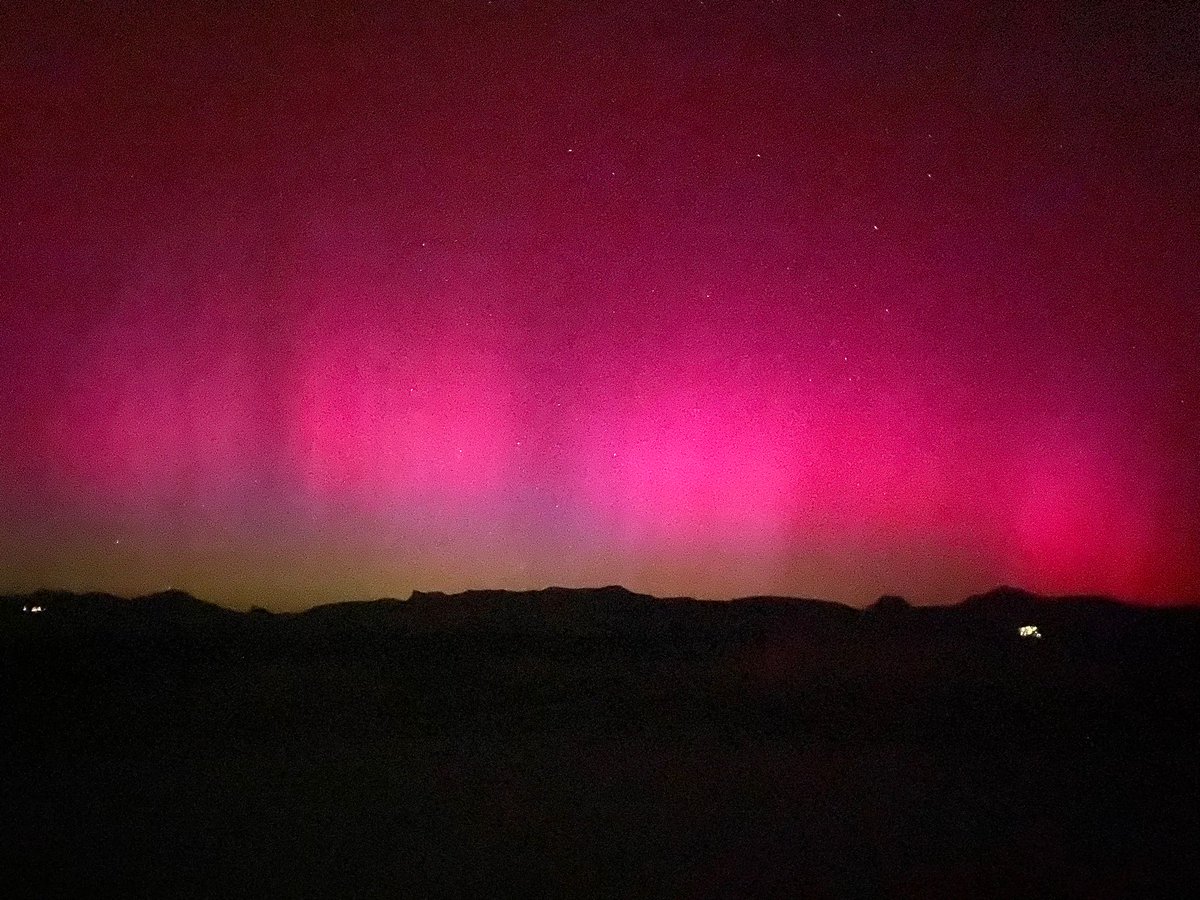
597,743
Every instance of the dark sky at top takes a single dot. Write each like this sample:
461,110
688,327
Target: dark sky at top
299,302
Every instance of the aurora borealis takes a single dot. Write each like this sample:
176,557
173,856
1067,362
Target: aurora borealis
700,298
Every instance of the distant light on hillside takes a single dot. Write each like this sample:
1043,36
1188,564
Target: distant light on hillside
1029,631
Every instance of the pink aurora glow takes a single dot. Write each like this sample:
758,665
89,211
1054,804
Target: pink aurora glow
714,317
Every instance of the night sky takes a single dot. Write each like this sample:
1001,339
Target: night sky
705,298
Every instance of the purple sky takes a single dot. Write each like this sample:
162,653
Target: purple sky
702,298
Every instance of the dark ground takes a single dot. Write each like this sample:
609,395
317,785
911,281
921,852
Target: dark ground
598,744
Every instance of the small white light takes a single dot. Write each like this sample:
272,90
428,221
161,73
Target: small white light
1029,631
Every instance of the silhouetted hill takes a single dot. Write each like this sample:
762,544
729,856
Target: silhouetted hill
164,607
1095,620
1012,603
352,610
569,742
1002,609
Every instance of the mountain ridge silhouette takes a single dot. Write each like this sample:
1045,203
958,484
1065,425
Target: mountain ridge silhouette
611,608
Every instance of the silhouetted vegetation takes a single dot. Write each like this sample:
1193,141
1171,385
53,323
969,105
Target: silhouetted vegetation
597,743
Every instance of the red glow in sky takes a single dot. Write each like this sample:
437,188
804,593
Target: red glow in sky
702,298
